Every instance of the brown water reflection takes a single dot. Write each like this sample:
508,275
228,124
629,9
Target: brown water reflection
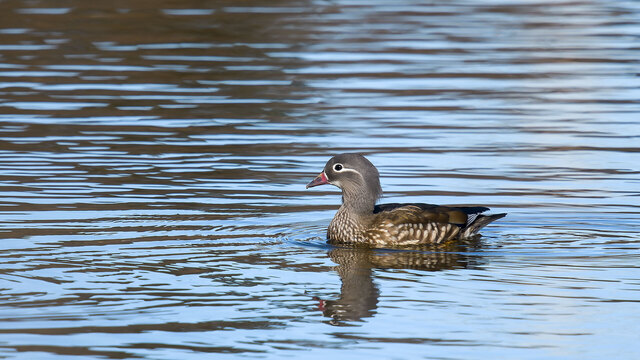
153,157
359,293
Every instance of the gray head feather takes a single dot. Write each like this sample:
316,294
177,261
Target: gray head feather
358,179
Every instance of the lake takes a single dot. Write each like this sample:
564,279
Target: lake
154,157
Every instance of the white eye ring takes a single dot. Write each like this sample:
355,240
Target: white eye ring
337,167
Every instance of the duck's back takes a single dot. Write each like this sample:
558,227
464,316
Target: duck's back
418,224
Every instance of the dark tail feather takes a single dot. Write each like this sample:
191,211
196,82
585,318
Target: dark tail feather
480,222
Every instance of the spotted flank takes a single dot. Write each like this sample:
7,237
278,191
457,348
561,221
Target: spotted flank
413,233
418,224
408,225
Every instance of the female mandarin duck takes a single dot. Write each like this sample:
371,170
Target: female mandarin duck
359,221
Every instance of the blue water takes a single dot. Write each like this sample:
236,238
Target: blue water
154,157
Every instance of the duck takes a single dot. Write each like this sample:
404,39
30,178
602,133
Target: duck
360,221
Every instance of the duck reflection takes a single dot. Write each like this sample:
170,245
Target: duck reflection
359,292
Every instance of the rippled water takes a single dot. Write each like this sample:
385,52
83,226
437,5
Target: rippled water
153,157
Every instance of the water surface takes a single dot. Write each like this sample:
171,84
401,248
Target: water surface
153,157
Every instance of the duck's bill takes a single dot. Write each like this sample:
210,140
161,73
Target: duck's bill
319,180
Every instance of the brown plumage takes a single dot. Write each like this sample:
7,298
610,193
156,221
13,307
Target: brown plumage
360,221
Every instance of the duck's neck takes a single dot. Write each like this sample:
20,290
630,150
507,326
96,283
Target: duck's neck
355,215
358,203
352,219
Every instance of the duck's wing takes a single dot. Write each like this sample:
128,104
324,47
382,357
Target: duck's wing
415,224
460,215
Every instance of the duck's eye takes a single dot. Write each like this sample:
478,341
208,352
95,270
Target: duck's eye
337,167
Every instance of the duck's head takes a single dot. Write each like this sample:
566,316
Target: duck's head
356,176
